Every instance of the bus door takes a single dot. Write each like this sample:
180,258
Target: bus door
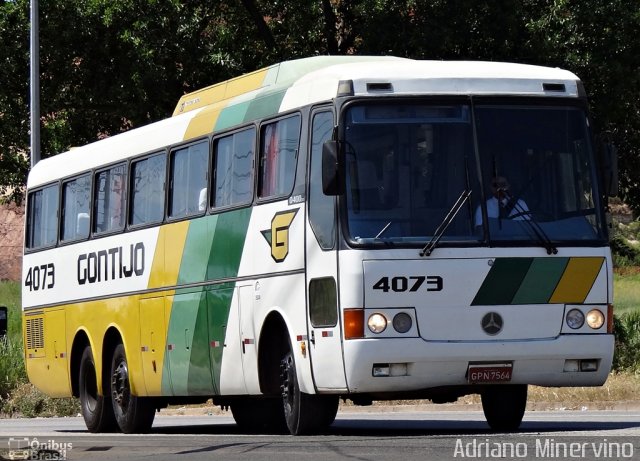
324,328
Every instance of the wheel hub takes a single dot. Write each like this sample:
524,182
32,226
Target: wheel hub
120,385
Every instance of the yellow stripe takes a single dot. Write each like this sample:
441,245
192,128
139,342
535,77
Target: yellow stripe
221,91
577,280
242,85
166,261
218,97
204,122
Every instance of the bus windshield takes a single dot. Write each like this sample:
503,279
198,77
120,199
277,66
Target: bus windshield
529,169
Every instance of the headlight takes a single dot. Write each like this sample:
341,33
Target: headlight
575,319
595,319
402,322
377,323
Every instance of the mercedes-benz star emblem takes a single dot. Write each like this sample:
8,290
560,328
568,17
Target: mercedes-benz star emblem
492,323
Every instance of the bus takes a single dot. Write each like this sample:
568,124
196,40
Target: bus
334,227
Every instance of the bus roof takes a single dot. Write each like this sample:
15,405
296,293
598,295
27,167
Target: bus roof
297,83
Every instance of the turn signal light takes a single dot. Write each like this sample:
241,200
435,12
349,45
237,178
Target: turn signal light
353,323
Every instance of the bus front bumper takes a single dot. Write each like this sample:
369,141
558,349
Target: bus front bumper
406,365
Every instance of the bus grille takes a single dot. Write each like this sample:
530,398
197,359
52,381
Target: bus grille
35,336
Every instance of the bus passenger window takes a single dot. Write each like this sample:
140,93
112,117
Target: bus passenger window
278,156
189,166
147,190
233,169
76,195
42,217
110,199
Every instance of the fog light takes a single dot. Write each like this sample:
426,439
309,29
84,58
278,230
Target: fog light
589,365
571,366
595,319
377,323
380,370
402,322
575,319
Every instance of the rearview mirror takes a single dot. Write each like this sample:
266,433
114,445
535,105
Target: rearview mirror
330,168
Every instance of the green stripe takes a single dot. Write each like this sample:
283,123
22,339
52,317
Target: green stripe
265,105
232,115
188,359
219,304
541,280
195,255
213,250
502,281
225,251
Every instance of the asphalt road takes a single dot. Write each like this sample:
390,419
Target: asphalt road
374,435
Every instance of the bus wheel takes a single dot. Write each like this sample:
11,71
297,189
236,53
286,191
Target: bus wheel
504,406
96,409
259,415
304,413
133,414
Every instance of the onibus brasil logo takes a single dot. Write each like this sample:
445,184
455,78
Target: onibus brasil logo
278,235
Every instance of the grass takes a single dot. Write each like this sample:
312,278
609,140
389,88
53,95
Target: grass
10,297
626,291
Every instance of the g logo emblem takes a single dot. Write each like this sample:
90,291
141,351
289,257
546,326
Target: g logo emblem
278,235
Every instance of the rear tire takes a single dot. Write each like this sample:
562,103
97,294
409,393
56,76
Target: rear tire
304,413
133,414
264,416
504,406
96,409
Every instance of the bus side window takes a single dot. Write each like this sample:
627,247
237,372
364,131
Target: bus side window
189,168
148,178
110,199
42,217
278,155
76,195
233,169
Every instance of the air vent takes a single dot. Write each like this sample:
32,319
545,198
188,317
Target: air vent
35,335
380,87
556,87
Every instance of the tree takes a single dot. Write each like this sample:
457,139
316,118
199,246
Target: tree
110,65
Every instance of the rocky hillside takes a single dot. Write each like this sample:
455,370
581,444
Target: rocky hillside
11,232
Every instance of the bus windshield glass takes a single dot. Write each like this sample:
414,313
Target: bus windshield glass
529,170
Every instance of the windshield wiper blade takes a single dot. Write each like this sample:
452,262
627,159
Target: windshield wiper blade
384,229
448,219
537,229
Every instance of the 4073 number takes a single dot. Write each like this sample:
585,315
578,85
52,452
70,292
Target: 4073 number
41,277
412,283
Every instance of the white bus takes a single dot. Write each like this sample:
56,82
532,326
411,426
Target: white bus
362,228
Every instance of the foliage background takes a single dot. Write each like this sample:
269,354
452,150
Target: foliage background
110,65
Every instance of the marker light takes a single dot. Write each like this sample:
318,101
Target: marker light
377,323
575,319
402,322
595,319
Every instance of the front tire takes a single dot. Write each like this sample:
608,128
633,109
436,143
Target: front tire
304,413
504,406
97,410
133,414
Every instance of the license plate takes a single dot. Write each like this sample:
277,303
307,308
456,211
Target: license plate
493,373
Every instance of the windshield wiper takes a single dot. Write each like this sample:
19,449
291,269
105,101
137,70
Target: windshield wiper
535,226
448,219
384,229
